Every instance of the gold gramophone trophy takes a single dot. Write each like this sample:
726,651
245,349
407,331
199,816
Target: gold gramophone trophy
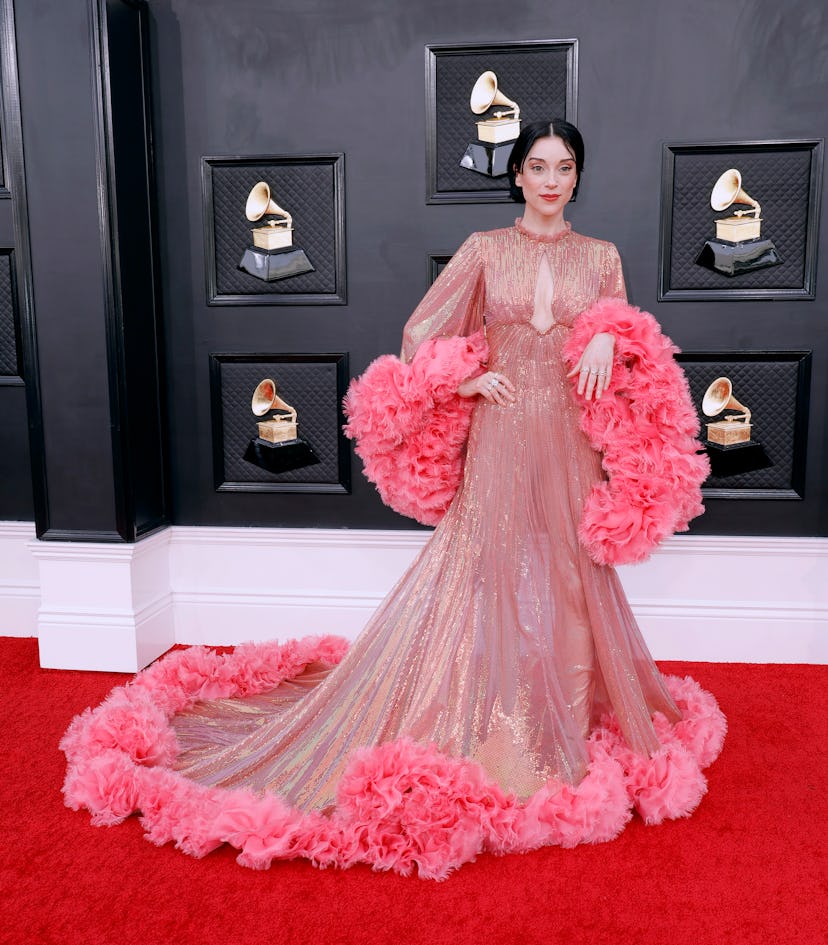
496,134
278,447
729,444
272,254
738,246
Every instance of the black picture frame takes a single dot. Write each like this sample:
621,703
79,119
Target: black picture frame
540,75
314,384
437,262
775,386
785,176
311,187
11,354
5,193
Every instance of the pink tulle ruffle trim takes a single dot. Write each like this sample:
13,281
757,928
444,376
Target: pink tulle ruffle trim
401,806
411,426
410,429
645,427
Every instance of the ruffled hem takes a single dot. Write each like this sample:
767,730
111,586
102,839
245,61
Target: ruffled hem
401,806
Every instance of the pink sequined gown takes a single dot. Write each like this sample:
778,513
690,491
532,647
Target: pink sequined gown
503,642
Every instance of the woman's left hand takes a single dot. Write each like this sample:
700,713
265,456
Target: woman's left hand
594,367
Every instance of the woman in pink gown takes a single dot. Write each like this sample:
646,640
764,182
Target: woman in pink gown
505,672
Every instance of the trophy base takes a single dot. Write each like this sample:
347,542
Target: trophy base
280,457
732,259
728,432
272,264
489,159
737,459
272,237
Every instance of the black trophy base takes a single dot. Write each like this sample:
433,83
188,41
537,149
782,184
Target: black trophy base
280,457
489,159
737,459
272,264
732,259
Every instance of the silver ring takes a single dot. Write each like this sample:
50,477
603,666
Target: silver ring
602,374
593,371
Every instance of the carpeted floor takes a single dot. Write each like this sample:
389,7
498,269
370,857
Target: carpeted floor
749,868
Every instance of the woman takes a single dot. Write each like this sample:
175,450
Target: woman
501,697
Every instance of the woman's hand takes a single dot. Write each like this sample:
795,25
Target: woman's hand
496,388
594,367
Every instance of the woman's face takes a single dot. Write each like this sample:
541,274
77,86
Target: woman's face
548,176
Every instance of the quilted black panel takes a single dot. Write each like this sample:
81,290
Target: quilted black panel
779,180
306,191
535,78
769,390
311,388
436,264
8,323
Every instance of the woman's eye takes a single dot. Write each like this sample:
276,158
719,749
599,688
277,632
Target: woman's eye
566,168
536,168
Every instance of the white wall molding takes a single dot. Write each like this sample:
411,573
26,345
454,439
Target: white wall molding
104,606
751,599
734,598
235,584
19,581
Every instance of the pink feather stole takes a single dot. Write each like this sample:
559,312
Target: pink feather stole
411,427
645,426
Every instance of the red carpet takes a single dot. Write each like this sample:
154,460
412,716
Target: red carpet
748,867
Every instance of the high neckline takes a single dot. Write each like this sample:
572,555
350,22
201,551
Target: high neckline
543,237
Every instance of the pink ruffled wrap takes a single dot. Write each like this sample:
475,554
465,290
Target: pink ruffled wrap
410,428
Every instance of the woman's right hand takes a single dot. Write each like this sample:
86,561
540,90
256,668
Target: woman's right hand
492,386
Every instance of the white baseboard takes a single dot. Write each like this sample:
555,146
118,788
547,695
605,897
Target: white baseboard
236,584
743,599
734,599
19,581
104,606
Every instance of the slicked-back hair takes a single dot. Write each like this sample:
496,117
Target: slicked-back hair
555,128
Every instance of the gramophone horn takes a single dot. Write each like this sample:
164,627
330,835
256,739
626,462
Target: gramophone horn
728,190
263,397
719,397
260,204
485,94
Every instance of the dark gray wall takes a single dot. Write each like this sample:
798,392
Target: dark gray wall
82,200
261,76
16,496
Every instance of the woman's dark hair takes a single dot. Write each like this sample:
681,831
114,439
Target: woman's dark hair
558,128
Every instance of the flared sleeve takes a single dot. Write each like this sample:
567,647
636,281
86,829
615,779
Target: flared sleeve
454,303
612,275
645,427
